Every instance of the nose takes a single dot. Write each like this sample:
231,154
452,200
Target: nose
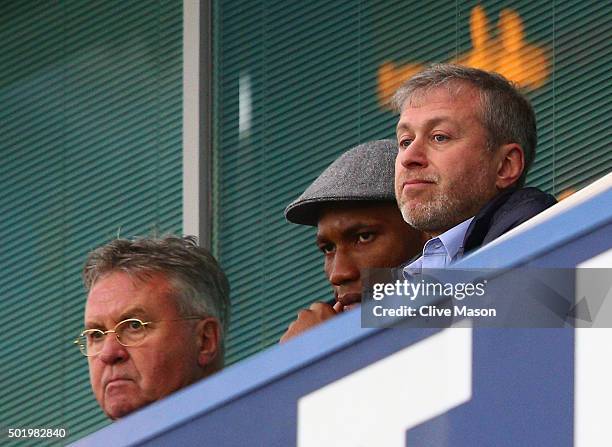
343,268
112,351
413,156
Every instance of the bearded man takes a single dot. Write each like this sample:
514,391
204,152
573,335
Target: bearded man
466,141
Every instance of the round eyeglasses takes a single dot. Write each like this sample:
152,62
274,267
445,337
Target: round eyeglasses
130,332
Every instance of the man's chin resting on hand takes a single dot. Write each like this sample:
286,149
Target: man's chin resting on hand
359,226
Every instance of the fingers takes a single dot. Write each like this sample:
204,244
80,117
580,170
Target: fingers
308,318
323,310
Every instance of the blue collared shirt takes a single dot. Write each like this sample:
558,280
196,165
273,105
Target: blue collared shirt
440,251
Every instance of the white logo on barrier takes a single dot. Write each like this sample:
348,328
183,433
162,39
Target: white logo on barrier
377,404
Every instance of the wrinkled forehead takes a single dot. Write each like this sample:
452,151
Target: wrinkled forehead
419,95
356,208
114,294
347,217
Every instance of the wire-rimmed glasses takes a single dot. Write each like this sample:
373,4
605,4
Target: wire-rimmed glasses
130,332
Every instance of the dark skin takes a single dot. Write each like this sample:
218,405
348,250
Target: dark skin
354,236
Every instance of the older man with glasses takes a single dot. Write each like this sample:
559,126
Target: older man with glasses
156,313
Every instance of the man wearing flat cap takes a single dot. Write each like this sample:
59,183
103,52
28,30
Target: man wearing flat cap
359,226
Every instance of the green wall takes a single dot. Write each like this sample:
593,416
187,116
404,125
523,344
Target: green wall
90,147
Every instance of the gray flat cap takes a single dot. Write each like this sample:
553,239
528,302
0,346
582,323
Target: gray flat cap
365,172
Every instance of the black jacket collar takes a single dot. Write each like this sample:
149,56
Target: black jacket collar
504,212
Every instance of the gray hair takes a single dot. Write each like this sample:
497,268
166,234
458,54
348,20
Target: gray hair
196,278
506,114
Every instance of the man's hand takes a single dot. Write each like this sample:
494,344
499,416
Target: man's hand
317,313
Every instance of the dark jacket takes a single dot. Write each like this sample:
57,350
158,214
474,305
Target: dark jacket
504,212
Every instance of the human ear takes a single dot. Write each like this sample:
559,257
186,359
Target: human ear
209,337
510,165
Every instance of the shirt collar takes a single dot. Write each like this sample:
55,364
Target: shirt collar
440,251
453,239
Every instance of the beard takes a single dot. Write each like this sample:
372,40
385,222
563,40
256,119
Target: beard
445,207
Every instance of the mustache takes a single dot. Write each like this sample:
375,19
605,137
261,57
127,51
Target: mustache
420,176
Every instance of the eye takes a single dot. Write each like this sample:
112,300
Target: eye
94,335
366,236
404,143
133,325
440,138
326,248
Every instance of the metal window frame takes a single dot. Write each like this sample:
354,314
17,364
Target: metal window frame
197,120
